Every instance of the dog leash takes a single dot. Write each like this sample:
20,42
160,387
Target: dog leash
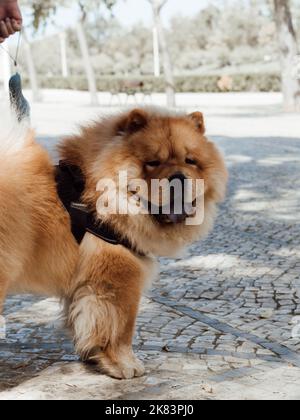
14,59
17,100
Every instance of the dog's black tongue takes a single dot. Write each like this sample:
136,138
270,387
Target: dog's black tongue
17,99
176,218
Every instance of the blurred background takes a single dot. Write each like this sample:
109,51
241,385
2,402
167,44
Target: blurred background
117,52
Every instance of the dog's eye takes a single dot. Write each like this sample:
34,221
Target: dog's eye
190,162
153,164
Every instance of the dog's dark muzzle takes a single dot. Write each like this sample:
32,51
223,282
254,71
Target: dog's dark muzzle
175,211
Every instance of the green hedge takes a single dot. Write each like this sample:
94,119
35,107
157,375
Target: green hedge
260,82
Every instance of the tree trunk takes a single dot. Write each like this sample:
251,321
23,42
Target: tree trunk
156,57
167,62
90,74
288,55
63,53
36,94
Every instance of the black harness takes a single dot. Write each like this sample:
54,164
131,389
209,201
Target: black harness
70,183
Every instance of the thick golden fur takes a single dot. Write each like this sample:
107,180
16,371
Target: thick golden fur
101,284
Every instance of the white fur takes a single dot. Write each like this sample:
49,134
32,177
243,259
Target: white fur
93,318
13,134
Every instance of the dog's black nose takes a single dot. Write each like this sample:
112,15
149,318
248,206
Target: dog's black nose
178,176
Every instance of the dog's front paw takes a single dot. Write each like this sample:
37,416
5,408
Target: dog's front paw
126,367
126,371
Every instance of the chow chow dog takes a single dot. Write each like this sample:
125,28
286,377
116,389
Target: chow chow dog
100,281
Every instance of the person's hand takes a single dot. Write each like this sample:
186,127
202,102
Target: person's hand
10,18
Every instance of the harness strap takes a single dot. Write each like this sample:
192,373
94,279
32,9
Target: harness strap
70,187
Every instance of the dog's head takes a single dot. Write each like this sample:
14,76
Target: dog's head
174,149
154,146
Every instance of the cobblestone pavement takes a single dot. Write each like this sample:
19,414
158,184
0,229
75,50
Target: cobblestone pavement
217,324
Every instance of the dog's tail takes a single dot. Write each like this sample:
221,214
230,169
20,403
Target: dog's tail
14,132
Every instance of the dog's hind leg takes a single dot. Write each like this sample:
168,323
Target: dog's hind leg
103,311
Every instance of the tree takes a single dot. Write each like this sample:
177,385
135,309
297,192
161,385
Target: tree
288,54
32,73
85,7
89,70
157,6
43,11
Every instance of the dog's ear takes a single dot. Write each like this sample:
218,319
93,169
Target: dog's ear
134,122
198,120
